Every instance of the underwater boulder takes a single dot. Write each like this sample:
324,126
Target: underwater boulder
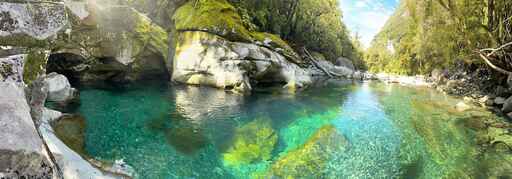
253,142
310,160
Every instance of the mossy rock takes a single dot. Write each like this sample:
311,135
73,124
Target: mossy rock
253,142
221,18
310,160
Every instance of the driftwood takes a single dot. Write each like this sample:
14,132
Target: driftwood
492,51
312,59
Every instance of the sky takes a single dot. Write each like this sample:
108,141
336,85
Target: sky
366,17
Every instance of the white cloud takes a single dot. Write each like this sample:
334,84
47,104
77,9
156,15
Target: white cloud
366,17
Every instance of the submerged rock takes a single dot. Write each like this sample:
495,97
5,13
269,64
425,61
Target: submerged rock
253,142
310,160
71,130
22,153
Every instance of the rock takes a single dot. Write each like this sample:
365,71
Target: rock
34,21
461,106
22,153
507,106
310,160
345,62
358,76
499,101
11,68
59,89
502,91
207,59
253,142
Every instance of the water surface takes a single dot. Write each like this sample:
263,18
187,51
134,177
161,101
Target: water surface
334,130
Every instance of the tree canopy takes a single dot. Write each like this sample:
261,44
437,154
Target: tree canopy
429,34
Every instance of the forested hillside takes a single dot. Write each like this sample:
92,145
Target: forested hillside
441,34
315,24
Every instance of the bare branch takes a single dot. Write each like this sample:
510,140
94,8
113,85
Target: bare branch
501,70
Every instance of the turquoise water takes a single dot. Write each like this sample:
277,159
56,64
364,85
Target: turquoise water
334,130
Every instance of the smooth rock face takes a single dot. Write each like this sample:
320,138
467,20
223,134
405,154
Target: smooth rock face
37,20
205,59
59,89
507,106
11,68
21,148
499,100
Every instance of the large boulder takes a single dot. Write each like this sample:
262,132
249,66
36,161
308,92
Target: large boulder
22,154
59,89
507,105
345,62
206,59
30,24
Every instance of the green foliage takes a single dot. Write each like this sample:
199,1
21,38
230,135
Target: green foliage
315,24
424,35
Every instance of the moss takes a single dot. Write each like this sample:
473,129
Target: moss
254,142
35,65
221,18
310,160
23,41
152,35
215,16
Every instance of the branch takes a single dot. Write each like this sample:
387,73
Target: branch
310,57
501,70
494,50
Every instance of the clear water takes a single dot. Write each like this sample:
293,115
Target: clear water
334,130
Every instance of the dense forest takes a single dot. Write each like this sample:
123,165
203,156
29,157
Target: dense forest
442,34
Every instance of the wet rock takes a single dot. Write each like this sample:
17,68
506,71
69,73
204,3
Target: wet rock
253,142
22,152
310,160
59,89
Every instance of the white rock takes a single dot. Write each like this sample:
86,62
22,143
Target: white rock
59,89
461,106
206,59
21,148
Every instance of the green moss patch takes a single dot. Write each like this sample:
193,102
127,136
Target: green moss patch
221,18
35,65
